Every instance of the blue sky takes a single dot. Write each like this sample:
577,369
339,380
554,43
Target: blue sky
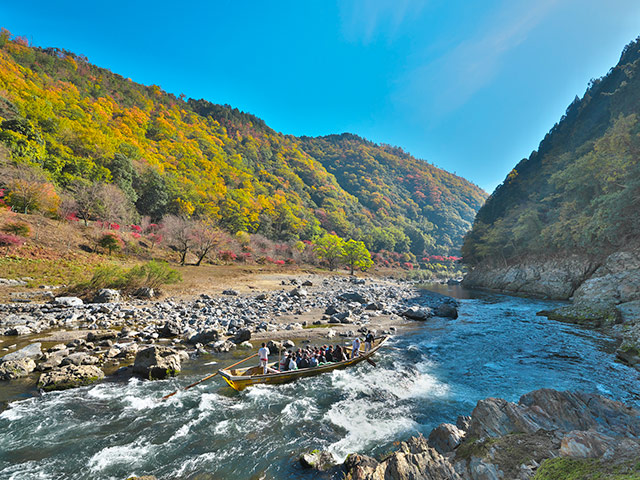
470,86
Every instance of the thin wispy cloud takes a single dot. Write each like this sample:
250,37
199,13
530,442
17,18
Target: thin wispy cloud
469,66
363,21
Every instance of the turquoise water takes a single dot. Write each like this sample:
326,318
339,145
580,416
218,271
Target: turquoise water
497,347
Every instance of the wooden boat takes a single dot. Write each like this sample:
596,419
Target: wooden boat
242,378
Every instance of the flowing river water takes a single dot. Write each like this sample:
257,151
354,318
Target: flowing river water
497,347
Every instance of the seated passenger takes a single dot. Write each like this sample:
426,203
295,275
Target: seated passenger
292,363
284,362
313,361
304,362
329,354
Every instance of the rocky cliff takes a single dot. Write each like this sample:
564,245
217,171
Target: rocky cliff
604,292
546,435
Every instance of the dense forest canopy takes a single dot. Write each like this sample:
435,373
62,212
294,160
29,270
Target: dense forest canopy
580,191
83,127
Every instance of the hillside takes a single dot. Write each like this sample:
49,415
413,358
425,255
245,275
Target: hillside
579,193
77,124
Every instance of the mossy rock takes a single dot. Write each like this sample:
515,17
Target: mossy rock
562,468
591,315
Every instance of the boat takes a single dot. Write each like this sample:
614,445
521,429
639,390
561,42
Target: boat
241,378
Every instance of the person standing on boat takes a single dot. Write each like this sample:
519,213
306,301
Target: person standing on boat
263,354
368,341
355,347
284,362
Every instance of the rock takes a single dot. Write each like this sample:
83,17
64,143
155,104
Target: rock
12,369
376,306
146,293
99,336
68,301
106,295
331,310
18,330
79,358
32,351
417,313
69,377
555,278
205,336
317,459
307,283
242,335
446,310
52,360
245,346
288,344
275,346
155,363
331,333
445,438
230,292
412,461
298,292
222,346
590,314
463,422
170,329
352,297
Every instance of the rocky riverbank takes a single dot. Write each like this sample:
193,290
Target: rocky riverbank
546,435
604,292
67,343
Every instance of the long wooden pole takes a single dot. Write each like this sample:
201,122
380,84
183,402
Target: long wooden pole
208,377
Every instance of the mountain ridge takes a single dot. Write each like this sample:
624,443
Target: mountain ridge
79,123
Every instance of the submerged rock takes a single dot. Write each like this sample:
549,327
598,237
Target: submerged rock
318,460
69,377
446,310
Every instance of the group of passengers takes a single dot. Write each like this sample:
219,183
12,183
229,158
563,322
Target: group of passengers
310,356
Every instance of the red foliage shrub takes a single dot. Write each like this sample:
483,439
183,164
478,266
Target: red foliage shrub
8,240
279,262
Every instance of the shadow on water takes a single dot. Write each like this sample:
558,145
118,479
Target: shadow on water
497,347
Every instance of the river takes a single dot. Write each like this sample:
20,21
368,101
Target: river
497,347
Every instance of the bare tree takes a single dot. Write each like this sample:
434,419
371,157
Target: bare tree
102,201
205,238
29,188
178,232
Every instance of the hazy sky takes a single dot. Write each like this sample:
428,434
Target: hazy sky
470,86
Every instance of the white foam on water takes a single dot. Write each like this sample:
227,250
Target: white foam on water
300,410
203,462
365,425
211,363
130,455
140,403
222,427
264,394
14,412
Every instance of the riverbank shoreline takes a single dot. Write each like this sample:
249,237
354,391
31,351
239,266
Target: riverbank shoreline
307,308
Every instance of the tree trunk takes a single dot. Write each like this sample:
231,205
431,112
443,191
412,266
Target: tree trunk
184,256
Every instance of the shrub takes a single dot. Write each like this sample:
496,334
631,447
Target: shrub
110,242
152,275
17,228
7,241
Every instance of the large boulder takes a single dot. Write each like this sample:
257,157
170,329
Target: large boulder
353,297
69,377
156,362
12,369
205,336
106,295
32,351
446,310
418,313
68,301
223,346
171,328
18,330
414,460
298,292
445,438
242,335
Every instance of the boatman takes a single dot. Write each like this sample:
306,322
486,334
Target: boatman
263,354
355,350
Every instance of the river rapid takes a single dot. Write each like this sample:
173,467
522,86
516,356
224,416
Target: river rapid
439,370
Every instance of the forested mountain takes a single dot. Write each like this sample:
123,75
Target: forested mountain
79,125
580,191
